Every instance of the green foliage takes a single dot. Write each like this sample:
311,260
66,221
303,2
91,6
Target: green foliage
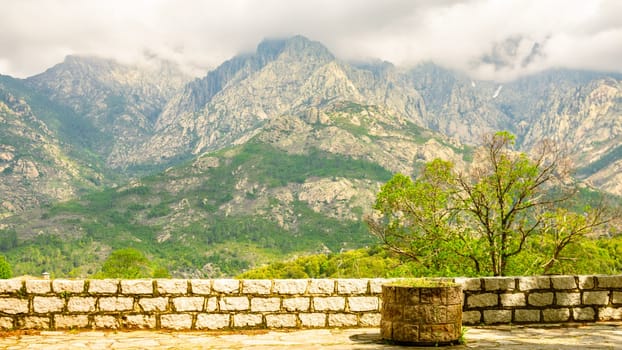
5,268
130,263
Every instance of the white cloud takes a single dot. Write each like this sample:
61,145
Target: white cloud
36,34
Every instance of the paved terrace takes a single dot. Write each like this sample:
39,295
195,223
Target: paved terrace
589,336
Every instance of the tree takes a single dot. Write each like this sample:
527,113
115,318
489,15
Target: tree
5,268
129,263
485,214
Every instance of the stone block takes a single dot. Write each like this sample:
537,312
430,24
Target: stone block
555,315
352,286
13,306
176,321
81,304
247,320
322,286
226,286
370,320
526,315
68,286
265,304
469,284
212,321
258,287
290,287
583,314
34,322
140,321
188,303
497,316
6,323
116,304
616,297
234,304
596,298
105,321
342,320
609,282
137,286
540,299
610,314
201,287
153,304
471,317
281,321
38,286
329,303
172,286
10,286
499,283
212,304
482,300
103,286
568,299
375,285
42,305
586,282
358,304
513,300
534,282
71,321
563,282
296,304
313,320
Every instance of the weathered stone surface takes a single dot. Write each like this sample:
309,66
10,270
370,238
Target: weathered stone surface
375,285
212,304
516,299
540,299
70,286
525,315
265,304
583,314
226,286
482,300
352,286
281,321
370,319
10,286
329,303
534,282
81,304
312,320
140,321
103,286
247,320
137,286
471,317
290,286
176,321
609,281
38,286
42,305
34,322
116,304
261,287
497,316
13,306
469,284
358,304
555,315
563,282
188,303
586,282
596,298
234,303
105,322
499,283
322,286
342,320
296,304
609,313
201,286
616,298
6,323
213,321
153,304
568,299
172,286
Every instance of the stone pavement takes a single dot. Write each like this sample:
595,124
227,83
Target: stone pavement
592,336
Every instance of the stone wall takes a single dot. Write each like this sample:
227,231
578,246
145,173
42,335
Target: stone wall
313,303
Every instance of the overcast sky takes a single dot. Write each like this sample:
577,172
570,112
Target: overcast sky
491,39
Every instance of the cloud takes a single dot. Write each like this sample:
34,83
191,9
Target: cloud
488,39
